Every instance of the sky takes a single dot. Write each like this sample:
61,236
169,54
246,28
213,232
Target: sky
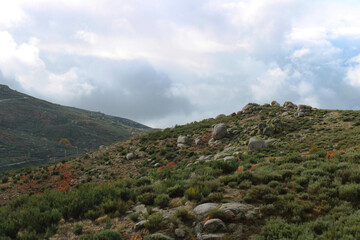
163,63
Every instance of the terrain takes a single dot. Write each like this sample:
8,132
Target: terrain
265,172
33,131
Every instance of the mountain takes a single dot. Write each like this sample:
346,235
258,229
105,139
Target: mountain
33,131
266,172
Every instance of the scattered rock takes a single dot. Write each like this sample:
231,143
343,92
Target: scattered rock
236,207
275,104
179,233
256,144
203,209
300,114
140,225
284,114
304,108
228,158
219,131
129,156
214,225
160,236
289,105
220,116
218,236
250,108
183,140
197,141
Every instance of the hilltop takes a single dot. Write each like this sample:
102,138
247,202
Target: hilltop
265,172
34,131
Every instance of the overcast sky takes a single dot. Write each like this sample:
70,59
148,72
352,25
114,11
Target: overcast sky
167,62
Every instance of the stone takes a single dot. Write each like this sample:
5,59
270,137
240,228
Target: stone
284,114
140,225
197,141
220,116
236,207
275,104
289,105
228,158
219,131
160,236
218,236
179,233
300,114
214,225
304,108
256,144
183,140
250,108
129,156
203,209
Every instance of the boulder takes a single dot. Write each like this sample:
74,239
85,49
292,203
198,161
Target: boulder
179,233
197,141
250,108
219,131
203,209
218,236
129,156
220,116
214,225
304,108
299,114
275,104
284,114
183,140
289,105
140,225
160,236
256,144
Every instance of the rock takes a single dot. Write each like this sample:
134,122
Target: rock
198,228
256,144
300,114
180,145
101,219
204,208
289,105
250,108
220,116
218,236
129,156
228,158
197,141
140,225
268,131
183,140
284,114
179,233
236,207
140,209
219,131
304,108
159,236
214,225
275,104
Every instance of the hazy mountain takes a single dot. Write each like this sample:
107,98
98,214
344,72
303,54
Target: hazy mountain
34,131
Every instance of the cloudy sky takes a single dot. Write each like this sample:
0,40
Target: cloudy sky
164,62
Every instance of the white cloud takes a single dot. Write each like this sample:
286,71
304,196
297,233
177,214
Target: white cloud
86,36
301,52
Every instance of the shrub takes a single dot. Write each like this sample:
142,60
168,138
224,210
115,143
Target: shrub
154,222
226,166
78,228
176,191
349,192
193,193
157,236
146,198
162,200
108,235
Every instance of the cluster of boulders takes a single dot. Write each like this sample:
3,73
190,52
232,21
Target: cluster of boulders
234,217
302,110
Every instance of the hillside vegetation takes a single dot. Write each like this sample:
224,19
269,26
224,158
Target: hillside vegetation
266,172
33,131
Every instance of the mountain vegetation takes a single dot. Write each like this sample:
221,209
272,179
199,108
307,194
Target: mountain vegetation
266,172
33,131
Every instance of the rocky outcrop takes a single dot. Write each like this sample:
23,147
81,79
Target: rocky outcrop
219,131
275,104
182,141
250,108
203,209
214,225
289,105
129,156
256,144
220,116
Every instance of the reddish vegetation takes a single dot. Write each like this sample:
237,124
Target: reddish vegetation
207,219
170,165
60,182
332,153
205,138
240,169
254,167
137,236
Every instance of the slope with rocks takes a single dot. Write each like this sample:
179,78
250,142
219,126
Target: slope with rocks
266,172
33,131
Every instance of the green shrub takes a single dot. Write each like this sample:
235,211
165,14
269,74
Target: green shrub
154,222
193,193
176,191
157,236
162,200
146,198
226,166
78,228
108,235
349,192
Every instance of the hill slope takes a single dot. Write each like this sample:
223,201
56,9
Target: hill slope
298,179
33,131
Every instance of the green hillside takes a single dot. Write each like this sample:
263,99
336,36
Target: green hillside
33,131
266,172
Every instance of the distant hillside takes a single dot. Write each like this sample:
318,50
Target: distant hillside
33,131
268,172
